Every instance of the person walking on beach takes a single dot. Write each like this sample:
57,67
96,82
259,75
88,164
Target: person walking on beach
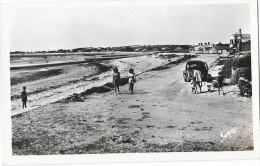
24,97
131,80
197,78
209,82
116,80
220,79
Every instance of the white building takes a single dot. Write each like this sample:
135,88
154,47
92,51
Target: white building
235,37
236,40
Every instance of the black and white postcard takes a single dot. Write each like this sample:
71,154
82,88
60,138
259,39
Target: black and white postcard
129,81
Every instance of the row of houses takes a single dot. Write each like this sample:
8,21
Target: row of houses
210,48
177,49
238,42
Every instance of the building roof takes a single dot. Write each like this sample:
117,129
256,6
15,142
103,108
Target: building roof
246,35
208,45
222,47
195,46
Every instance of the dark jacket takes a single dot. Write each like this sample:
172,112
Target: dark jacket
24,96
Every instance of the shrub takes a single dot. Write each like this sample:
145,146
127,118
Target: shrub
245,61
235,62
242,62
226,70
241,72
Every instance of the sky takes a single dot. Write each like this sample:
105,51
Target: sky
47,26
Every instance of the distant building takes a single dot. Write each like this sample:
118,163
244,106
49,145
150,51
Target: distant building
197,48
210,48
135,46
178,49
237,40
221,48
201,48
164,48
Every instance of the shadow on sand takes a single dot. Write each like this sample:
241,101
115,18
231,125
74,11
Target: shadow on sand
211,91
135,93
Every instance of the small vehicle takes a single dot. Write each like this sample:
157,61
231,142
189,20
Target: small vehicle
195,65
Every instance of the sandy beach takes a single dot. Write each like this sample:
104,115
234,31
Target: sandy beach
43,87
162,115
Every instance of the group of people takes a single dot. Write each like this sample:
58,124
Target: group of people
197,81
116,82
131,80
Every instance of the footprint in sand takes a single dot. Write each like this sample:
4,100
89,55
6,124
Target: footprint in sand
98,116
110,118
134,106
194,122
113,126
99,121
122,120
145,115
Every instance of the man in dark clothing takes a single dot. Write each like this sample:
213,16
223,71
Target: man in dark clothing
209,82
24,97
220,79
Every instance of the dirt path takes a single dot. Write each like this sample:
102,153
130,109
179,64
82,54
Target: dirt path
162,115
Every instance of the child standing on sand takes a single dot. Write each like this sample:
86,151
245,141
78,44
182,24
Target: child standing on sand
24,97
131,80
116,80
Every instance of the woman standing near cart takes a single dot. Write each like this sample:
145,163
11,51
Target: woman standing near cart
197,78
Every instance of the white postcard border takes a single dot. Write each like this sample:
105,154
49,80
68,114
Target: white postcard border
9,159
